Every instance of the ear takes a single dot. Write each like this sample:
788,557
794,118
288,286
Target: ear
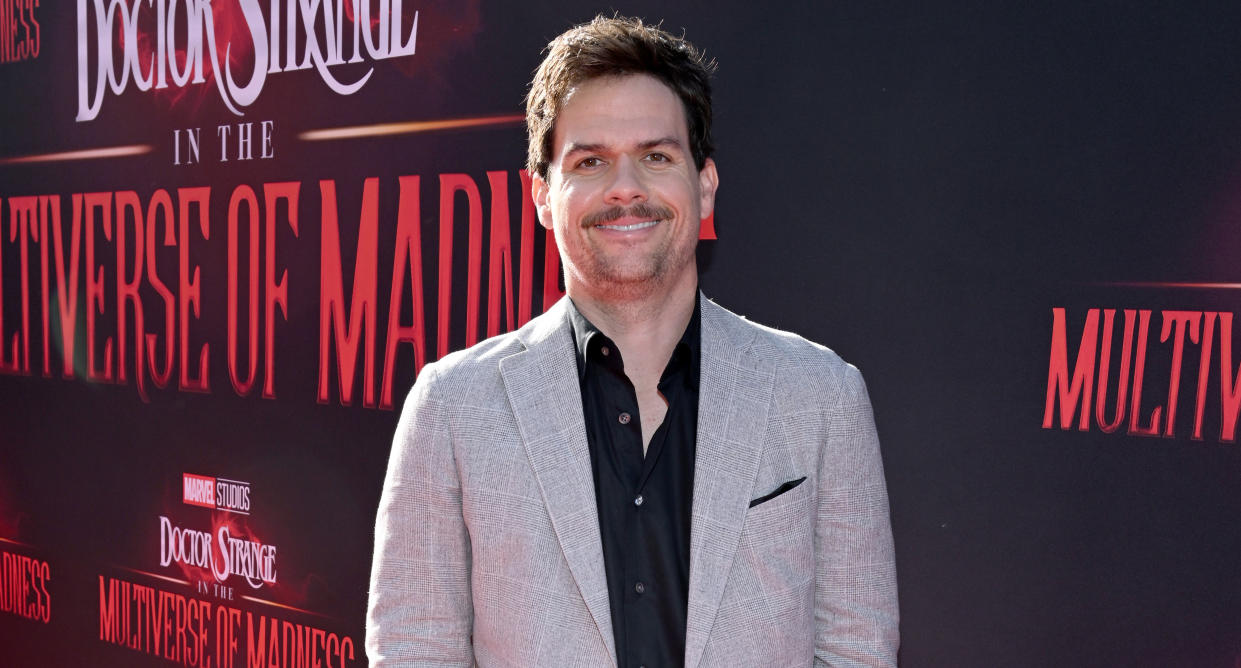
538,192
708,183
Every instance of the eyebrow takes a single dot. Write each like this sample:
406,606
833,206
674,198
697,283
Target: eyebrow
576,147
662,141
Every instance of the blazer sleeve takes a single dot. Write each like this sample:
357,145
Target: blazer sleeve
856,612
419,611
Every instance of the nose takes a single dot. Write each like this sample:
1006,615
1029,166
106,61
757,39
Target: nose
627,185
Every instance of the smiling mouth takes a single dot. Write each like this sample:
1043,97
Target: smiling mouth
630,228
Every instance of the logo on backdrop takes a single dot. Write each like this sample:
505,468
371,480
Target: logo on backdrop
216,493
162,43
212,626
216,625
228,548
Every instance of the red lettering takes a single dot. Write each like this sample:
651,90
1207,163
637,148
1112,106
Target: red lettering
110,611
67,291
1182,320
46,202
6,30
34,53
1058,383
1152,429
46,571
23,219
450,184
501,257
526,263
408,254
1122,383
1204,371
189,290
127,290
707,229
243,194
551,271
183,608
156,615
160,201
331,295
256,648
276,292
347,643
1229,388
94,285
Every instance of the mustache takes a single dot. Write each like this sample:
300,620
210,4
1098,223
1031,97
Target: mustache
611,214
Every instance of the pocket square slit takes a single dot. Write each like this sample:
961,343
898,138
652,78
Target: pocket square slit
778,491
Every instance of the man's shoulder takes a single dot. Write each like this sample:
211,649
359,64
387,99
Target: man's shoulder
482,355
466,367
801,367
778,346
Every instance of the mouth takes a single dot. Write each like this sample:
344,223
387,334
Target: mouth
635,218
629,228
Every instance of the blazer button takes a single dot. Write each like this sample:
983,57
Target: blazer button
623,418
640,588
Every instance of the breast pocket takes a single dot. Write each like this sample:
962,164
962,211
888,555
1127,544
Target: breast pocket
782,518
774,569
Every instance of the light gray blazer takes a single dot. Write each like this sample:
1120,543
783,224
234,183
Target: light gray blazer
487,544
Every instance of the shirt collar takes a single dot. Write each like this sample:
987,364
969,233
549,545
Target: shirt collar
584,331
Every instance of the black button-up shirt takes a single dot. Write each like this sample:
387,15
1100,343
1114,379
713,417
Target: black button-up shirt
644,502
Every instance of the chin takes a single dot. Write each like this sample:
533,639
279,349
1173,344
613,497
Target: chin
649,273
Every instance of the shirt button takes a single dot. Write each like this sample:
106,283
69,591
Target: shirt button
639,587
606,351
623,418
638,501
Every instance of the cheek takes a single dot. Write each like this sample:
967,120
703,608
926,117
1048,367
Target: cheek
574,192
571,203
680,195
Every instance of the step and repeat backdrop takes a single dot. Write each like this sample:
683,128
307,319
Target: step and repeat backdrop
232,232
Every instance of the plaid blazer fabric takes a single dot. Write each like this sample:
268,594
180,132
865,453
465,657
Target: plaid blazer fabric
487,542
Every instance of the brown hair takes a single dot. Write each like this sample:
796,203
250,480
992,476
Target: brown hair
611,47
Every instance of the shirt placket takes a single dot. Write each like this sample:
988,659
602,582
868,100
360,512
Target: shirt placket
632,471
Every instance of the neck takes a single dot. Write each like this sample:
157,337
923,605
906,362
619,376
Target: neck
646,327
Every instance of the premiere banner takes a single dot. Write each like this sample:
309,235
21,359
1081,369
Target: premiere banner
233,234
233,231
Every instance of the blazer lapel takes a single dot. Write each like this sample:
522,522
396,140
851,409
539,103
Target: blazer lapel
734,393
543,389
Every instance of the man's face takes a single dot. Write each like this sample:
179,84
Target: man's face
622,193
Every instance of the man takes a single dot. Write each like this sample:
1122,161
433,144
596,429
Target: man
637,477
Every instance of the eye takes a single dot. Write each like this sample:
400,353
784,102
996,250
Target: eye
658,157
589,163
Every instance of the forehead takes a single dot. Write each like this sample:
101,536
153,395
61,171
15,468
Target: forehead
618,112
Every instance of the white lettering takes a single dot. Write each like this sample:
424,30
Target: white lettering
199,490
118,25
250,559
232,496
183,546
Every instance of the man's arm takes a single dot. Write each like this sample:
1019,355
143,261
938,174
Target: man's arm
856,614
420,611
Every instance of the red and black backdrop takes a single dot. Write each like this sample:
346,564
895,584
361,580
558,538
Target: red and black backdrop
232,232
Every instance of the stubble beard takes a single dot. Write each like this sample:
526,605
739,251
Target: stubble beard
625,277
